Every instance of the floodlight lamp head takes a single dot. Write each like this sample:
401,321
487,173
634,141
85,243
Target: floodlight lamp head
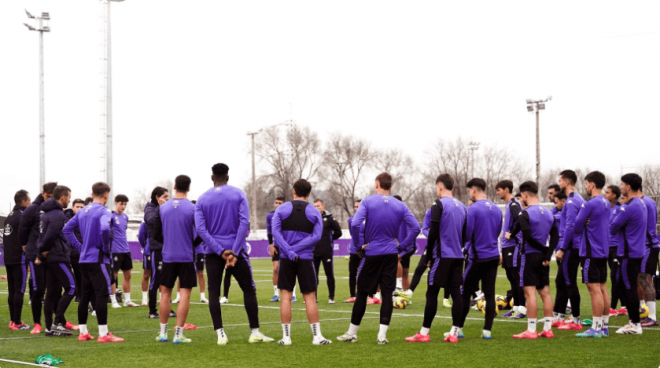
45,16
28,14
530,108
541,106
29,27
528,101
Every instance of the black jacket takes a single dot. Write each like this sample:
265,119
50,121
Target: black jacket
150,217
51,238
28,231
13,253
74,253
331,231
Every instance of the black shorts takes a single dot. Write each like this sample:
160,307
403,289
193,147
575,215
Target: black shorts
276,255
446,273
122,261
405,260
200,262
184,271
377,270
533,272
650,262
146,261
594,270
303,270
95,279
628,272
484,271
508,256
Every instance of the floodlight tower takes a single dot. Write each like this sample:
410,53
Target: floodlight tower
537,106
42,25
473,146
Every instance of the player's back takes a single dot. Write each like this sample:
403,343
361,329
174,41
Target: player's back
221,207
631,219
178,219
484,219
595,238
540,223
651,222
452,223
92,220
383,216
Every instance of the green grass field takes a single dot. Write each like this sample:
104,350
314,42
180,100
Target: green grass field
141,349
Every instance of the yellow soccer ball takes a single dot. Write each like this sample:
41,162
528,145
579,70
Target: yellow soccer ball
347,258
399,302
643,311
500,301
481,305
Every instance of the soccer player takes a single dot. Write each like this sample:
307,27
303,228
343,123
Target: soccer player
274,253
121,254
159,196
510,250
323,251
14,257
536,224
297,229
380,252
649,262
592,222
560,309
612,194
28,234
447,235
76,206
403,270
175,227
422,265
484,220
552,190
630,224
221,220
199,264
568,249
54,254
93,222
143,238
353,258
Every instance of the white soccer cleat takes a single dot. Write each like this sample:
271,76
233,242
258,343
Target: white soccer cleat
347,338
331,301
204,300
630,329
144,303
116,306
128,303
286,342
94,313
224,300
222,340
259,338
321,341
176,301
383,340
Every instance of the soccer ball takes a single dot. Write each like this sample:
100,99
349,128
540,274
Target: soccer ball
481,305
346,258
500,301
399,302
643,311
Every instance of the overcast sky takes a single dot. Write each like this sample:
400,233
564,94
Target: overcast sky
192,77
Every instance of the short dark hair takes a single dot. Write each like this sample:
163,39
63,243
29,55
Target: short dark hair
20,196
302,188
193,201
570,175
358,200
398,197
477,182
280,198
88,200
385,180
48,188
518,195
76,201
121,198
634,180
220,169
182,183
100,189
560,195
529,187
616,190
319,200
555,187
60,191
446,180
157,192
505,184
596,177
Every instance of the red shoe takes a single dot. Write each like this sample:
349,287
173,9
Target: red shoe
11,326
187,326
547,334
527,335
110,338
570,326
350,300
82,337
419,338
451,338
36,330
371,301
377,301
71,326
613,312
622,312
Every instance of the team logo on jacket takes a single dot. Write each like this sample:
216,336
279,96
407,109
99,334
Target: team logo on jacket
8,230
117,218
249,248
175,203
116,259
386,200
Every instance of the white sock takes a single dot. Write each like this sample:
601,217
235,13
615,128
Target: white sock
294,291
606,321
254,331
568,304
179,332
103,330
202,295
576,320
515,308
377,296
454,330
560,316
353,329
178,295
145,295
83,329
276,291
547,324
652,312
445,300
127,297
531,324
163,329
221,332
383,331
113,298
286,331
316,329
424,331
522,309
555,315
399,282
598,323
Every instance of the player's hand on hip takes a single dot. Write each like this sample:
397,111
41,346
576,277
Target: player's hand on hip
560,255
507,235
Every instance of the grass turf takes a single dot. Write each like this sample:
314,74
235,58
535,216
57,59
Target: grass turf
141,348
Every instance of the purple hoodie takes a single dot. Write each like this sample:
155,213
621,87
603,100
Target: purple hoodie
93,221
222,219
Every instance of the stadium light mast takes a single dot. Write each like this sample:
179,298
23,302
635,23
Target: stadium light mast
253,225
537,106
473,146
42,25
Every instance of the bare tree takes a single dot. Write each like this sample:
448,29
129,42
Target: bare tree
142,196
453,158
651,181
496,164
